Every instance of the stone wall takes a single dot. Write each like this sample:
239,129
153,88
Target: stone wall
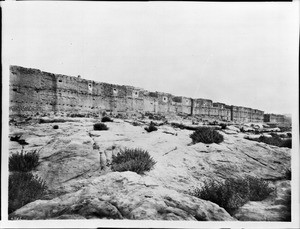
275,118
36,92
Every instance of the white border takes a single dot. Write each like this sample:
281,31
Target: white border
137,223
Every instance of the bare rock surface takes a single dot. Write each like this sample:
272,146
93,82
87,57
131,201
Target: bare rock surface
233,128
70,166
125,195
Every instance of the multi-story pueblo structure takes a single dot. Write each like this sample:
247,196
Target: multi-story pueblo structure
33,91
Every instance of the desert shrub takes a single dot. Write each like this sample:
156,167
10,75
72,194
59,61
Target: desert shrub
135,124
23,188
258,188
15,138
135,160
55,127
76,115
233,193
256,131
278,135
286,143
156,117
177,125
106,119
275,140
206,135
285,128
23,162
55,120
151,128
288,174
223,126
100,126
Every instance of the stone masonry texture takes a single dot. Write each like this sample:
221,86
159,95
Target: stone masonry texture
33,91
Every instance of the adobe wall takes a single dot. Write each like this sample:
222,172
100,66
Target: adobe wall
33,91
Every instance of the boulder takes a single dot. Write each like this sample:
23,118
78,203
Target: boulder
233,128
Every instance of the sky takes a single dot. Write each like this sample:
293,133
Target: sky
243,54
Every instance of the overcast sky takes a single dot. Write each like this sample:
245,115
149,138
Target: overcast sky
241,54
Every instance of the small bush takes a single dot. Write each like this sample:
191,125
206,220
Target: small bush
223,126
76,115
151,128
106,119
259,189
285,128
55,127
177,125
288,174
23,188
206,135
275,140
23,162
136,124
286,143
15,138
55,120
234,193
135,160
100,126
156,117
18,139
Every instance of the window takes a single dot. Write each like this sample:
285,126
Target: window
135,94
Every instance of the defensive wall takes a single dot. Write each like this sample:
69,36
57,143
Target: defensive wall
276,118
33,91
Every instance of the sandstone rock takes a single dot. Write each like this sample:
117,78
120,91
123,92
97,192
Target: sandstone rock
230,131
70,164
267,135
252,136
247,129
233,128
276,129
124,195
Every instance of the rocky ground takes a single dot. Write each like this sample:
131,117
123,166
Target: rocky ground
79,189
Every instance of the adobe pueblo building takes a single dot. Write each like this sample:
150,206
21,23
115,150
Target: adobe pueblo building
36,92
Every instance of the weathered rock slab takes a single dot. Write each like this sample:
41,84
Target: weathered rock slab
124,196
